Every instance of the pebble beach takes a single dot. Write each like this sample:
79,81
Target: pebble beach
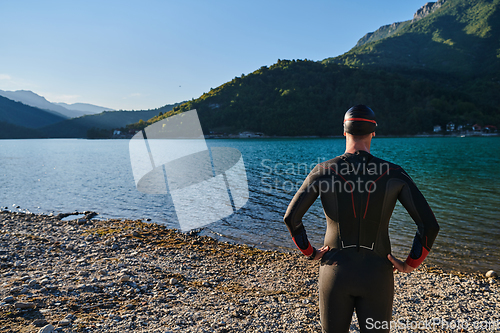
59,274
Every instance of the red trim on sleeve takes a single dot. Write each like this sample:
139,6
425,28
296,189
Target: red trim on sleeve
307,252
416,262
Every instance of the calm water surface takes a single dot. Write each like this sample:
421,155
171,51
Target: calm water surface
458,176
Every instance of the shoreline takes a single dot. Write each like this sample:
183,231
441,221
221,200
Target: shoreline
422,135
235,136
90,275
225,238
216,237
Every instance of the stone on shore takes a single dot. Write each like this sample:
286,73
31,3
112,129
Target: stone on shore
24,305
65,322
491,274
47,329
39,322
125,278
9,299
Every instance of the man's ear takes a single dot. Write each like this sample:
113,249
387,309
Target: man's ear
373,134
344,133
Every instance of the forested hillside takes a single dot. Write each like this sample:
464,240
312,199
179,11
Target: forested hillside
441,68
26,116
461,37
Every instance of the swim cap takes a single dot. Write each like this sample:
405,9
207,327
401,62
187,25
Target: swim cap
359,120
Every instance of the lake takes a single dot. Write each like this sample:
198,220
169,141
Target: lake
456,175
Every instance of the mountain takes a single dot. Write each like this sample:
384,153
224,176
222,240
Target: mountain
85,108
26,116
458,37
30,98
443,66
390,29
67,110
18,120
103,123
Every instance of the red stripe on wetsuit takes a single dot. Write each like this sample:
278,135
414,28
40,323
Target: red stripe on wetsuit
308,251
416,262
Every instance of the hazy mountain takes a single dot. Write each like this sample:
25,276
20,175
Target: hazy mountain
20,114
30,98
67,110
85,108
107,120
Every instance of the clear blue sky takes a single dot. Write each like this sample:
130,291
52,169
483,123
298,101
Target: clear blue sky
145,54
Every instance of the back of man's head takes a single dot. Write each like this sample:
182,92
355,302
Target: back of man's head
359,121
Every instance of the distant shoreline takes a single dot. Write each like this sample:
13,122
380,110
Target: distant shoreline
235,136
341,136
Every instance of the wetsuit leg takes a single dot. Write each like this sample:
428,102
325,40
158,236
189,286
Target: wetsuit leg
336,303
348,281
374,307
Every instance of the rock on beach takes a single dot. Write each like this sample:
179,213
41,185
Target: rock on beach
24,305
47,329
491,274
99,276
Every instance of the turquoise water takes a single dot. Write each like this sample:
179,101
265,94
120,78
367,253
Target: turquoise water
457,176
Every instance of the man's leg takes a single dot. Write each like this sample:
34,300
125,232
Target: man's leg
336,305
374,308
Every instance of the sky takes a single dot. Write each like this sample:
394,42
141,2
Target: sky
137,55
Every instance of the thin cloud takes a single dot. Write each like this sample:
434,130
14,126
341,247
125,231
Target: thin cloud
5,77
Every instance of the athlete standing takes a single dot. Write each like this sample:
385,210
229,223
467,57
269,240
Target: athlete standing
358,192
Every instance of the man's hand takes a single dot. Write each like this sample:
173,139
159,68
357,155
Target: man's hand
321,251
399,265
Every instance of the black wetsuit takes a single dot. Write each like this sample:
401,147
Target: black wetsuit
358,192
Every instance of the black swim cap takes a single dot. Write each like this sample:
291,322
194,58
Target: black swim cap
359,120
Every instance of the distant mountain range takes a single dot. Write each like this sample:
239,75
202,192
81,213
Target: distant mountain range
103,123
442,67
67,110
19,120
85,107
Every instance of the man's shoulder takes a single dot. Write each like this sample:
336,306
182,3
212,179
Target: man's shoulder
385,162
331,162
391,169
338,161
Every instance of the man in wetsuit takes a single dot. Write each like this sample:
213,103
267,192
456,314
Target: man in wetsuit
358,192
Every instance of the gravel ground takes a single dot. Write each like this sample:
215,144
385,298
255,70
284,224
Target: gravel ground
90,275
